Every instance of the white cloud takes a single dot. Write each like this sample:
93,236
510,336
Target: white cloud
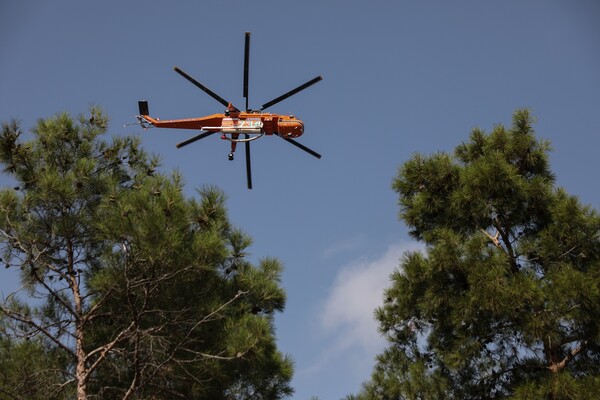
345,246
347,316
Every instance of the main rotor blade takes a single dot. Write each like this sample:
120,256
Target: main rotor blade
193,139
291,92
246,66
248,168
201,86
302,147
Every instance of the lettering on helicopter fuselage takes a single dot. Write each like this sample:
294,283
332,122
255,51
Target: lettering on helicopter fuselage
236,125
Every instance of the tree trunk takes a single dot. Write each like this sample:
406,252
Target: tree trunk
80,371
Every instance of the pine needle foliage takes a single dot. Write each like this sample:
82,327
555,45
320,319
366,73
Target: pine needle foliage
504,302
130,289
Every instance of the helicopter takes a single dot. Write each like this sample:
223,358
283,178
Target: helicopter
234,125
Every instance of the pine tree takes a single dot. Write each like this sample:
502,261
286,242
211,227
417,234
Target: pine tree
504,302
133,289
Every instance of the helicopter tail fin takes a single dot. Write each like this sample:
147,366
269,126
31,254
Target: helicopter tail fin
143,107
144,120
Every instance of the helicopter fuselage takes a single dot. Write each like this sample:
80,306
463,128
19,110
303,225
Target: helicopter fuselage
235,123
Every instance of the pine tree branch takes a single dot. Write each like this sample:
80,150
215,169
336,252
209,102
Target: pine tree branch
559,366
104,350
180,346
41,329
11,395
32,259
91,314
62,386
507,243
14,293
53,292
493,239
198,355
133,386
504,245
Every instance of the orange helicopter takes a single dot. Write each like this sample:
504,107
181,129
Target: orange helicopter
233,123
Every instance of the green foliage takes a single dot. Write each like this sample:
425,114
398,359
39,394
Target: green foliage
139,292
194,300
29,369
505,300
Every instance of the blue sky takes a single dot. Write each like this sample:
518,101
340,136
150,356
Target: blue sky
400,77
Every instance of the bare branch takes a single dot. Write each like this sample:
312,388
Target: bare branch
559,366
11,395
42,329
206,318
504,245
104,350
494,238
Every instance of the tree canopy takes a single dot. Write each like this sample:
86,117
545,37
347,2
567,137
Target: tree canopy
504,302
130,289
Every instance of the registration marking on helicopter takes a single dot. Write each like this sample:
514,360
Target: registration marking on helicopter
251,123
235,125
